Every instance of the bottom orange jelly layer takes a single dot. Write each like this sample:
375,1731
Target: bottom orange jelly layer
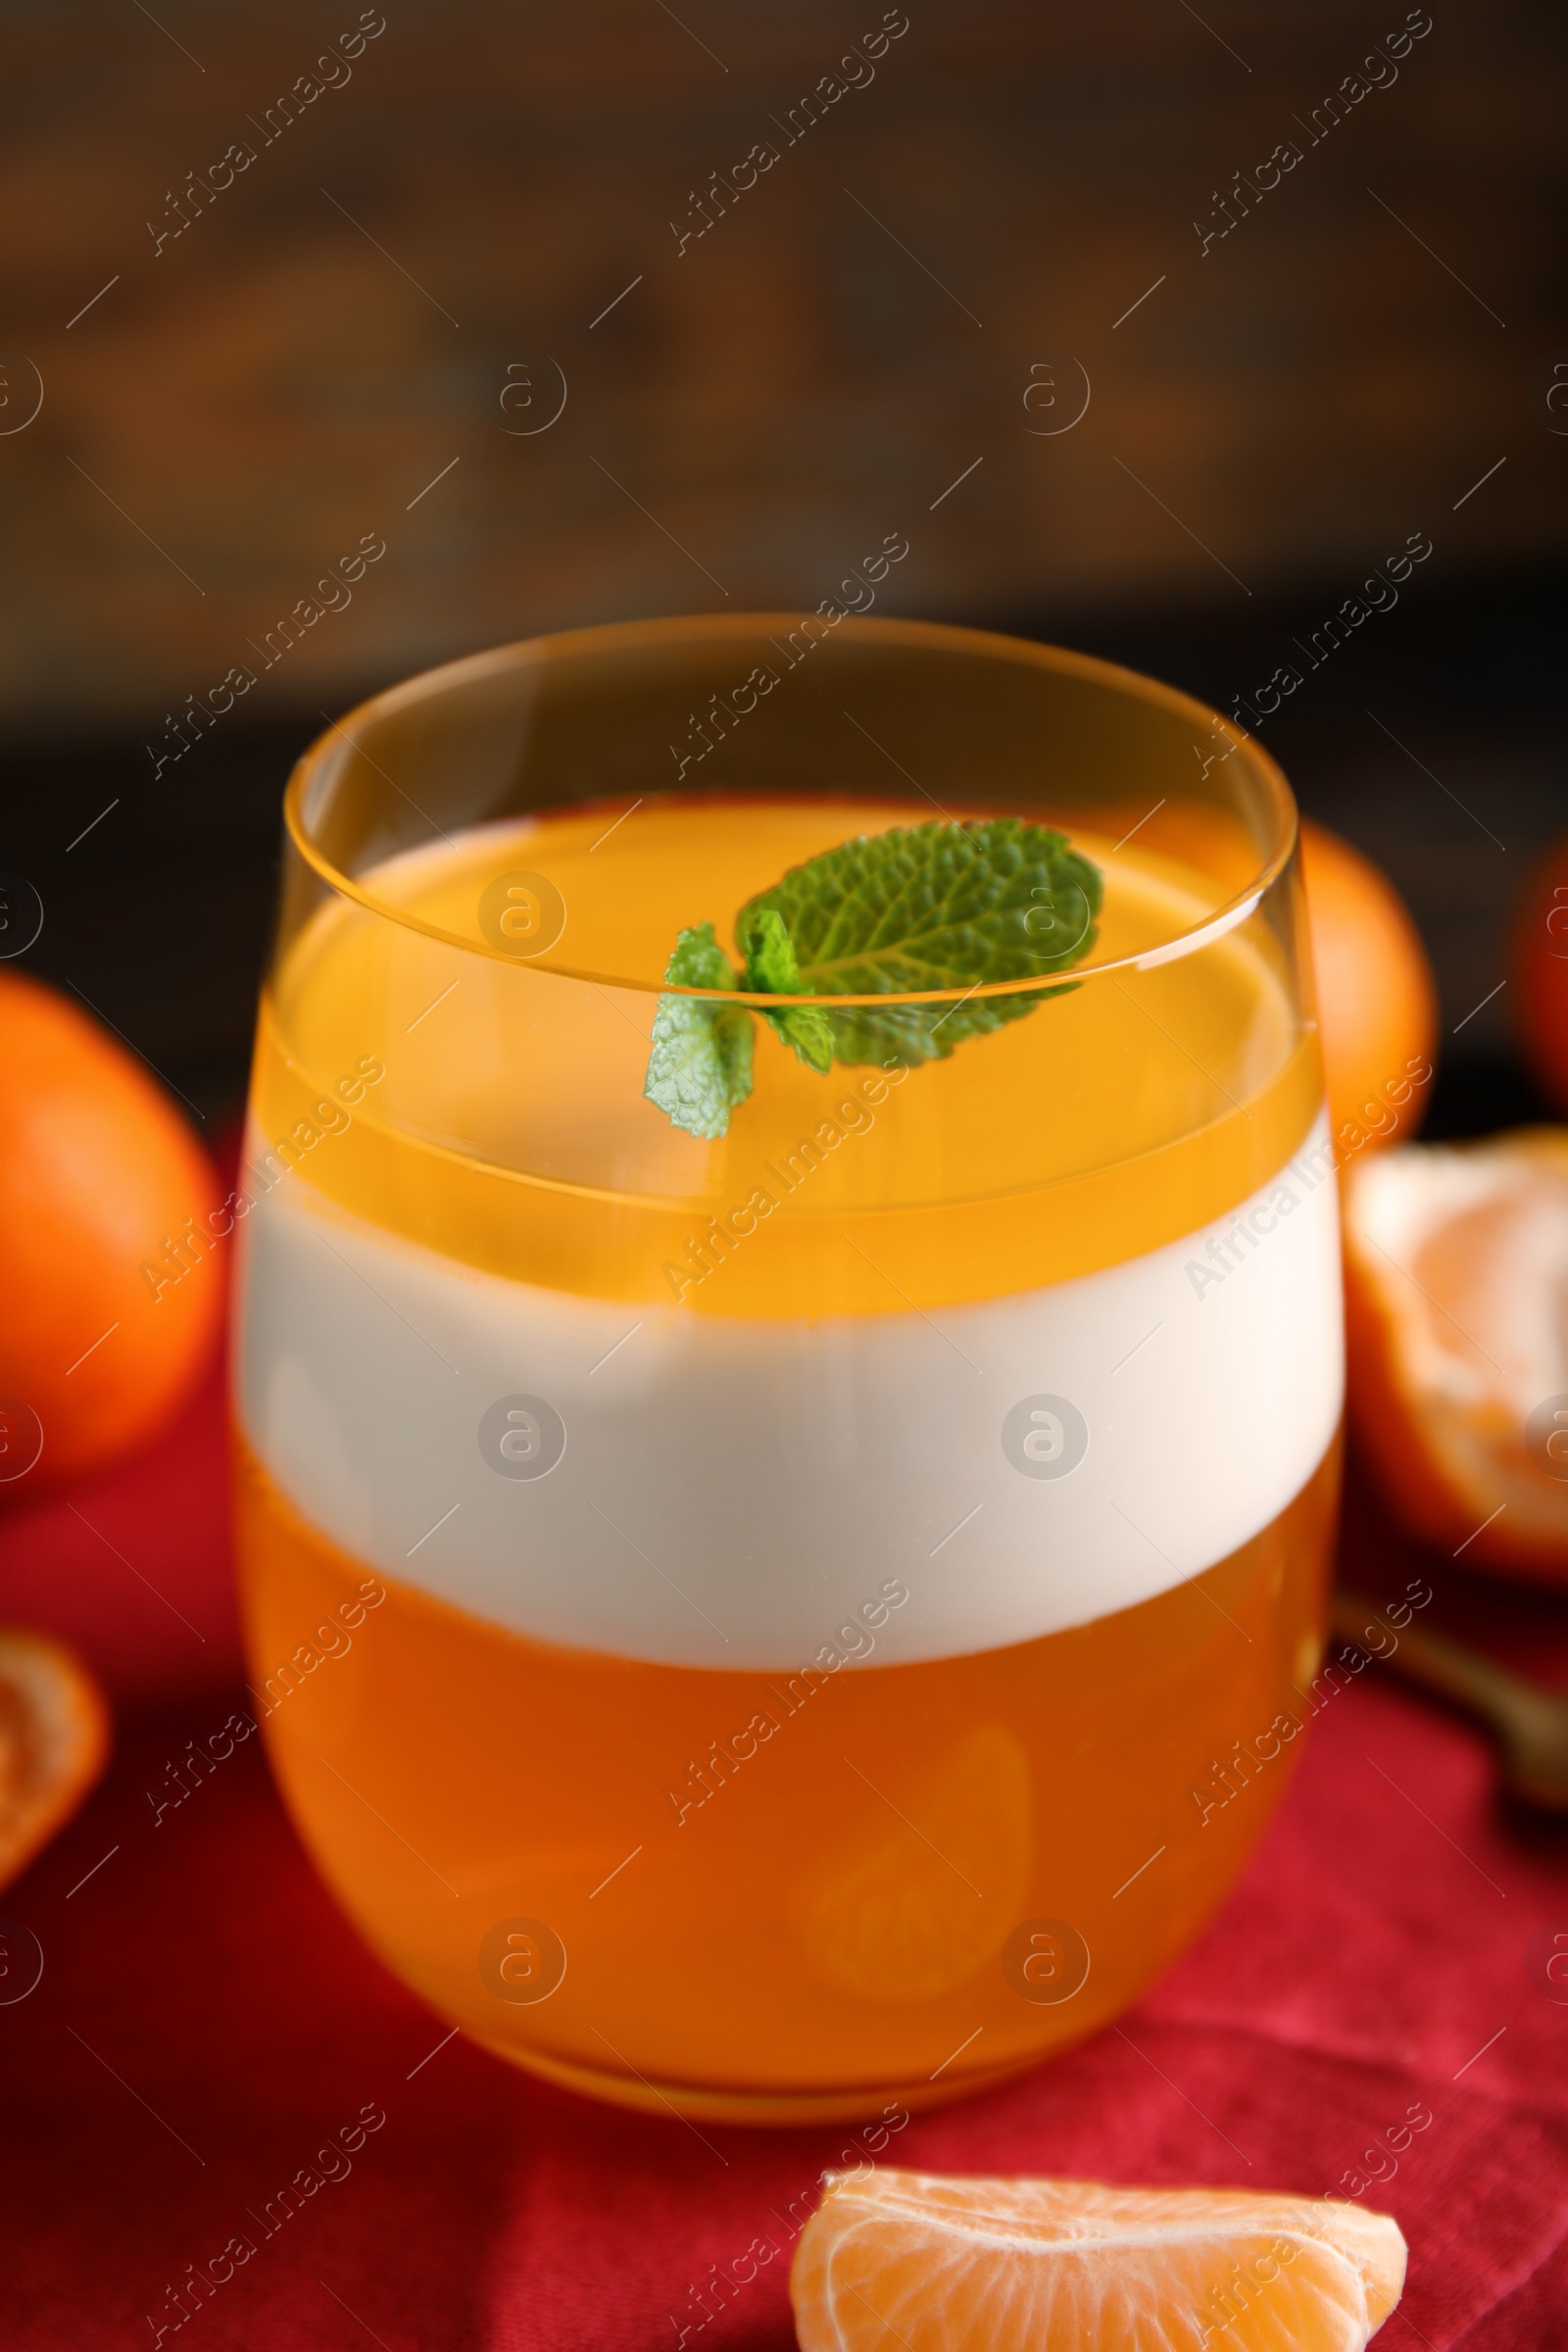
779,1896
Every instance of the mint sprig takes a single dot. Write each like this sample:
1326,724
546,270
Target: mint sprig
700,1064
772,967
924,908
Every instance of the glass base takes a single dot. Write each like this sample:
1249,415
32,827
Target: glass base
763,2108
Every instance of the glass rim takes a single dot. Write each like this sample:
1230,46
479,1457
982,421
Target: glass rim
690,628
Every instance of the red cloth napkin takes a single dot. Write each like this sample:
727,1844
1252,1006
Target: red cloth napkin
206,2025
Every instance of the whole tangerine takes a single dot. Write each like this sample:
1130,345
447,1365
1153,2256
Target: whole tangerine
110,1307
1540,972
1377,1001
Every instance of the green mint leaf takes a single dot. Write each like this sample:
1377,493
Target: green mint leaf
772,966
940,906
771,969
701,1063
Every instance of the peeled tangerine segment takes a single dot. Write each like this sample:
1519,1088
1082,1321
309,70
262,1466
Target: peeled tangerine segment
54,1737
891,1911
1457,1292
944,2265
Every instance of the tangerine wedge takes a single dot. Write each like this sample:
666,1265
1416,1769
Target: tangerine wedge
1456,1274
944,2265
889,1911
54,1739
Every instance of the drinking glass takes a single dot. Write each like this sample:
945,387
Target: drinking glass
805,1621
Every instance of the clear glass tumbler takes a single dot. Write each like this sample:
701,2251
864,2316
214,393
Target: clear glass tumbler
782,1622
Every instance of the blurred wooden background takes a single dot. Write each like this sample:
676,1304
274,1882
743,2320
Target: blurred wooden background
243,403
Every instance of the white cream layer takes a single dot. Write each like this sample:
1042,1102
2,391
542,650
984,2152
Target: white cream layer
733,1490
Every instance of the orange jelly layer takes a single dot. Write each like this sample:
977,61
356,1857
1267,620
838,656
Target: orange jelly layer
509,1129
775,1894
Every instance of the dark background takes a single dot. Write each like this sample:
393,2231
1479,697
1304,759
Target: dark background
325,352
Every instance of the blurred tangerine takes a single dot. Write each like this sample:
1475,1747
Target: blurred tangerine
109,1307
54,1739
1540,973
